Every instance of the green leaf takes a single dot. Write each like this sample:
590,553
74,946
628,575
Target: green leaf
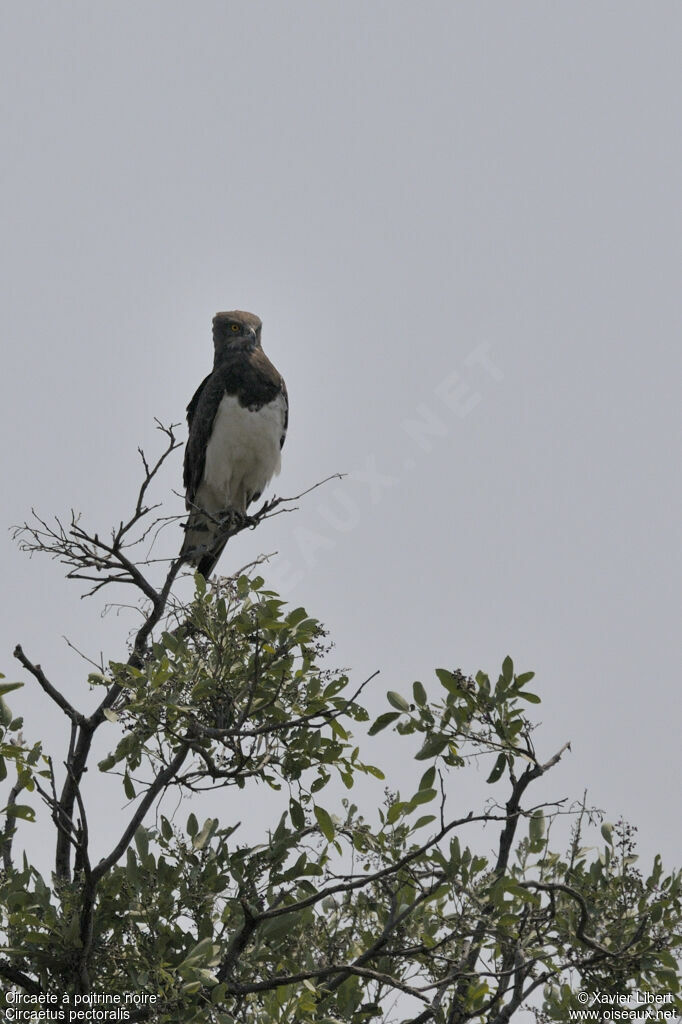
141,842
607,832
395,811
324,821
199,841
166,828
277,927
192,823
423,796
131,866
6,715
218,994
34,755
296,814
382,721
425,819
201,953
448,680
524,678
128,787
428,778
419,692
8,687
433,745
666,958
536,826
498,768
507,669
338,729
397,701
476,991
532,698
298,615
20,811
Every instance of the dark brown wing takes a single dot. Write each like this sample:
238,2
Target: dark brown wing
285,425
200,421
191,408
252,378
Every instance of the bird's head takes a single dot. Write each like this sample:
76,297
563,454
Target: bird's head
234,330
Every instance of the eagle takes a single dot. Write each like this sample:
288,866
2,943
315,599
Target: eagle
238,420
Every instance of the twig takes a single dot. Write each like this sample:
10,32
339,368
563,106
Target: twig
98,665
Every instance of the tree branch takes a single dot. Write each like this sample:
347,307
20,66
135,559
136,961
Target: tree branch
390,927
320,973
360,882
87,726
52,692
161,780
10,825
513,809
16,977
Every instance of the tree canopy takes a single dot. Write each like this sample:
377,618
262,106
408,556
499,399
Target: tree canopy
421,909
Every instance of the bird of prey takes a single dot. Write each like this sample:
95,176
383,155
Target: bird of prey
237,424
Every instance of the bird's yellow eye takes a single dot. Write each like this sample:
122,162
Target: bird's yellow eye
234,328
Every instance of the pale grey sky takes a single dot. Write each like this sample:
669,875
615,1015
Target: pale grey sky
457,216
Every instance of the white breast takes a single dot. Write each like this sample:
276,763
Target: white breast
243,454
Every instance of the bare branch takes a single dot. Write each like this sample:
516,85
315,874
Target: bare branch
98,665
10,825
59,699
88,556
149,474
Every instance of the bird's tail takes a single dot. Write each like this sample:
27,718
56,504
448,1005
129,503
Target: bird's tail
204,542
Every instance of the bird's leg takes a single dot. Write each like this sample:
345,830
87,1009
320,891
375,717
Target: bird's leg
231,520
